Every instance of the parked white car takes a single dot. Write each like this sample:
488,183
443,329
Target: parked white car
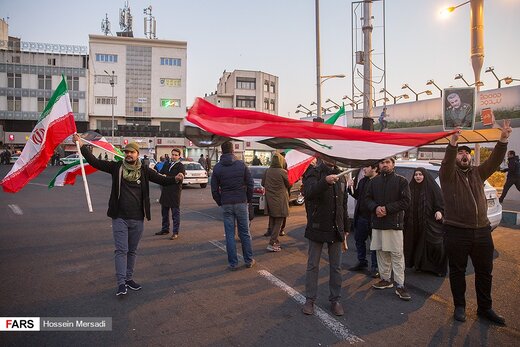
69,159
406,169
195,174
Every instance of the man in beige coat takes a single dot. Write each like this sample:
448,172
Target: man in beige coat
276,184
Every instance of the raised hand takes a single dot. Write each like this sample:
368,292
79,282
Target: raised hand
506,130
455,137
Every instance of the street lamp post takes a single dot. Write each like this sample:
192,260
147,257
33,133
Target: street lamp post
430,82
461,77
510,80
427,92
507,79
402,96
385,99
112,101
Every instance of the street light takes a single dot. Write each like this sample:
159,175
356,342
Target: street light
385,99
461,77
300,105
336,105
510,80
505,79
318,103
430,82
452,8
402,96
112,101
427,92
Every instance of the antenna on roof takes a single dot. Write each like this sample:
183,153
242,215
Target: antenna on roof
105,25
150,24
125,21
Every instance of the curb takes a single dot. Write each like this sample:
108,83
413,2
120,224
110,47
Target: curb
510,218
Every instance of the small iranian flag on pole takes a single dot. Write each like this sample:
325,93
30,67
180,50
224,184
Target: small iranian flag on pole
298,162
55,124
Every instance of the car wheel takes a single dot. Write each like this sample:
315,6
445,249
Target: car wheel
62,163
203,185
300,200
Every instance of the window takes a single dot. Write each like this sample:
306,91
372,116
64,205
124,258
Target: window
42,102
14,80
138,109
246,83
171,61
73,83
266,104
106,100
272,87
75,105
105,125
246,101
51,61
266,86
14,103
104,79
106,58
170,82
168,103
170,126
272,105
44,82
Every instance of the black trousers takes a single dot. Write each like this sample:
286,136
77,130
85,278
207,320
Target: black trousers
477,244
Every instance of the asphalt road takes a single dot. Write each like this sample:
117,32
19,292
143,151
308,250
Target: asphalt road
56,260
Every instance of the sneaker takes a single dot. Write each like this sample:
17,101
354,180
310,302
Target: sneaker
121,290
174,237
359,267
274,248
251,264
308,308
132,285
383,284
162,232
402,293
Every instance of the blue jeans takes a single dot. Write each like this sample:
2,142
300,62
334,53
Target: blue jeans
237,213
361,233
127,233
176,218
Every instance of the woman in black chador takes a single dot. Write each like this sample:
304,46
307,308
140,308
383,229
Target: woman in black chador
423,232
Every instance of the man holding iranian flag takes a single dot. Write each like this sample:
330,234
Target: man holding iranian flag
55,124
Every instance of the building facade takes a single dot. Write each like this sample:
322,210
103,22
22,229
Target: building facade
138,88
29,74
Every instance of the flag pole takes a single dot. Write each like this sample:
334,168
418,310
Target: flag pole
87,192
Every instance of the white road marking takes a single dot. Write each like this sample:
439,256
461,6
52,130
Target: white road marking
39,184
330,322
16,209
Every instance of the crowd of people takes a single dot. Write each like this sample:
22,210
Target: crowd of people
409,224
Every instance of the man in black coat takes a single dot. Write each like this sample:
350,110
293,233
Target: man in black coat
128,205
327,222
171,195
513,174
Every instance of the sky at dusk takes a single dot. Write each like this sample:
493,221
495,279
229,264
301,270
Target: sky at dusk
278,37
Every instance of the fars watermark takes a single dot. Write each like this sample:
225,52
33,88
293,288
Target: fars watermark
55,323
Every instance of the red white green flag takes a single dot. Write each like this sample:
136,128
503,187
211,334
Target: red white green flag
298,162
67,175
55,124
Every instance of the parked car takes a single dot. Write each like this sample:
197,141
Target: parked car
13,159
195,174
69,159
406,169
257,172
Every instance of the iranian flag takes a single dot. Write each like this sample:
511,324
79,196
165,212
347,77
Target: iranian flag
351,147
298,162
55,124
67,175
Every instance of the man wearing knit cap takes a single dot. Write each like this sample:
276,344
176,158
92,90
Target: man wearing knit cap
129,203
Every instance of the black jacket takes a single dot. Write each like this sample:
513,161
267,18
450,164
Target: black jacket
392,191
231,181
171,195
115,169
513,167
328,215
361,209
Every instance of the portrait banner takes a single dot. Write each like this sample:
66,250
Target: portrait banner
458,108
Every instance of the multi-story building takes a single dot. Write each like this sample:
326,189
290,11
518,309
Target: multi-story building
249,90
29,74
138,88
